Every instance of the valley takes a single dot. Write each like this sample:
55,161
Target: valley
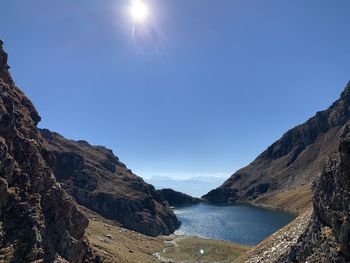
64,201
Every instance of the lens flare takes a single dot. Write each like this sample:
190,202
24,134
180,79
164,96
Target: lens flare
139,11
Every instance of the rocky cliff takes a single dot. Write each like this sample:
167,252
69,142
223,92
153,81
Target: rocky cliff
38,221
282,175
96,178
175,198
322,235
327,238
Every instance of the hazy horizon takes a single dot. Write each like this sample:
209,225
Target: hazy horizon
194,186
201,88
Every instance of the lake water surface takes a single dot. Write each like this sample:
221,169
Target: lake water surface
242,224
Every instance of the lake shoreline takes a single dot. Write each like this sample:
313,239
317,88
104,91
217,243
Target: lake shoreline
236,223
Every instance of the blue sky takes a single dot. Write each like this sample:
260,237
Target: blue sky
201,88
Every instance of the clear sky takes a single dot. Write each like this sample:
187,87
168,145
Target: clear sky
200,88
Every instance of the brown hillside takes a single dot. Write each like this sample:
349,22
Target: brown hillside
293,162
96,178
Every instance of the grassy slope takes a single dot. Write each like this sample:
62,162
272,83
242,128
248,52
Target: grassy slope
294,200
122,246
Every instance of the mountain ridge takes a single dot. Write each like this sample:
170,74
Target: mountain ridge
42,178
292,162
38,220
321,233
96,178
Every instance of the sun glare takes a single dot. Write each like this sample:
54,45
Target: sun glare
139,11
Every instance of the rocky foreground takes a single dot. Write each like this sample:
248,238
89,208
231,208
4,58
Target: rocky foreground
38,221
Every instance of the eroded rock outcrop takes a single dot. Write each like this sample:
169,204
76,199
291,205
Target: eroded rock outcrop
287,169
96,178
328,236
38,221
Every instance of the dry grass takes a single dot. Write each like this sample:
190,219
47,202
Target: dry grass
293,200
189,250
327,232
116,244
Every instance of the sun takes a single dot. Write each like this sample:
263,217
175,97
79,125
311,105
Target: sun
139,11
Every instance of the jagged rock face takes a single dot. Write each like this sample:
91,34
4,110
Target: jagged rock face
328,235
175,198
293,161
98,180
325,234
332,197
38,222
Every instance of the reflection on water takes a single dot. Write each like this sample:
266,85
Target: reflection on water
236,223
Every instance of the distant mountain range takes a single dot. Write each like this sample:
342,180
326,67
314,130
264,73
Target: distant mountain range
194,186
